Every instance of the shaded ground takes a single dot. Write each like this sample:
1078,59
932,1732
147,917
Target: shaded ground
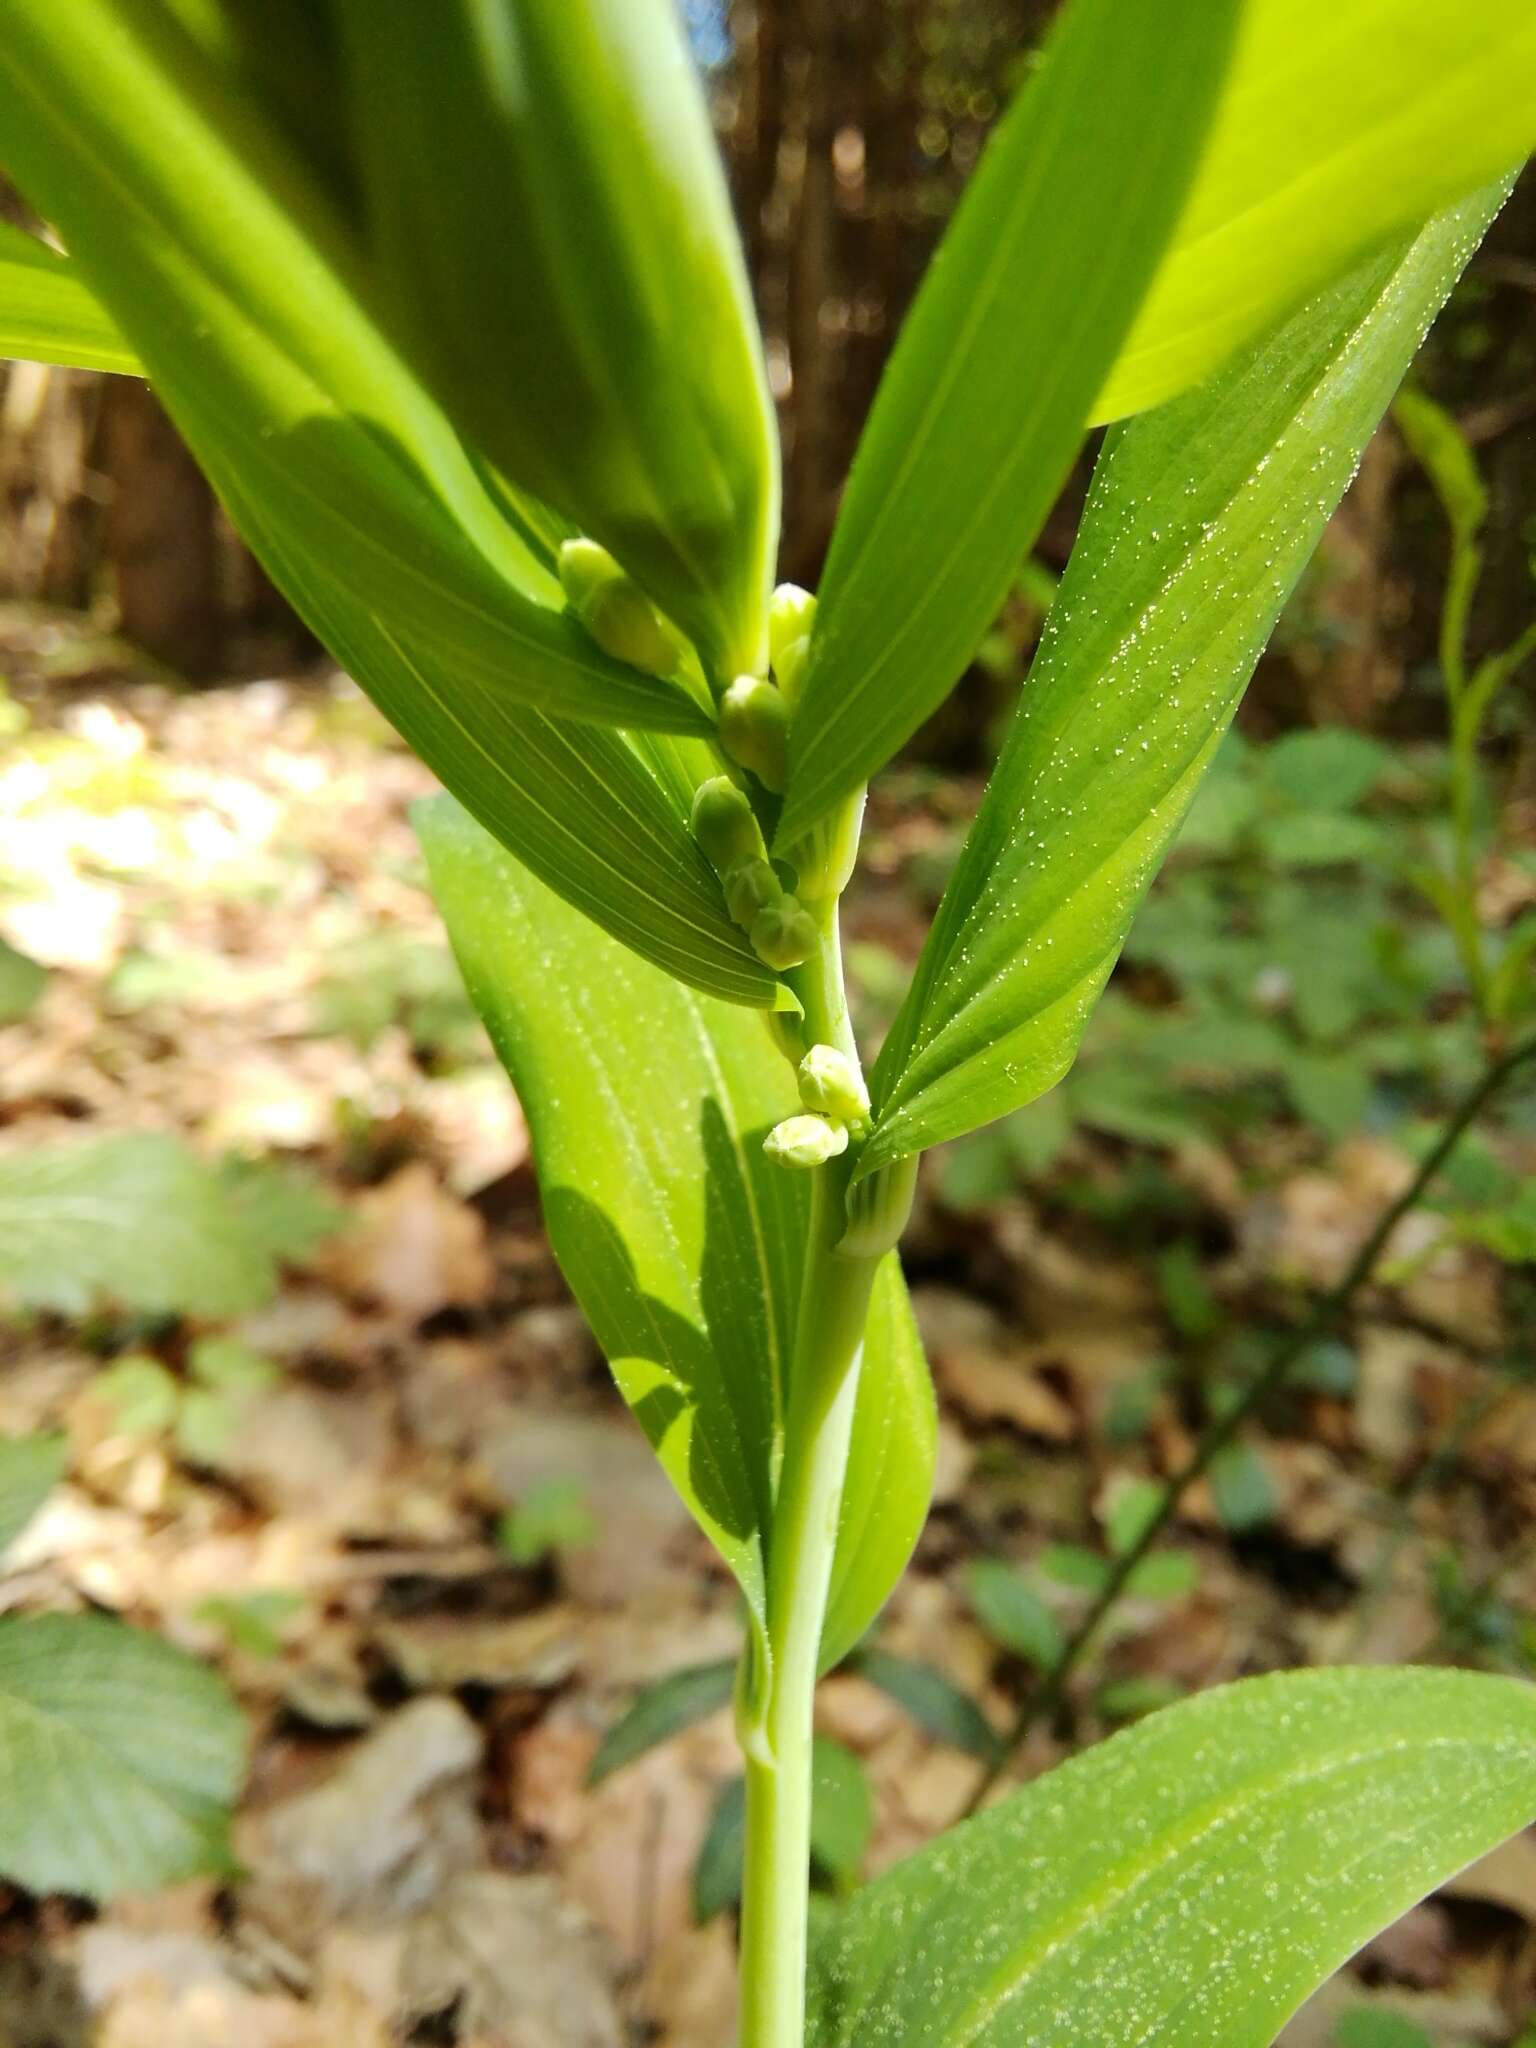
227,896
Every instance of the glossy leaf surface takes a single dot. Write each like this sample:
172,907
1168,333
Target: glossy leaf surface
119,1757
1192,1880
1201,518
553,219
47,315
648,1105
986,396
240,290
1342,122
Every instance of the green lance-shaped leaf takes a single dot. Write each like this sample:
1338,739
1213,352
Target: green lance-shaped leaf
47,315
1189,1882
985,399
239,291
1201,518
1342,122
549,207
648,1106
352,487
119,1758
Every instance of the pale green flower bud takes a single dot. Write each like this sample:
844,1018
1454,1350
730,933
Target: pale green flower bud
790,614
789,668
614,610
754,729
783,934
831,1084
725,825
751,888
804,1141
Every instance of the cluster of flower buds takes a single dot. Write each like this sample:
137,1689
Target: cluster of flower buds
835,1106
615,611
754,713
782,932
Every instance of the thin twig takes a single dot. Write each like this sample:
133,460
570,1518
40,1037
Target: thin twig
1046,1695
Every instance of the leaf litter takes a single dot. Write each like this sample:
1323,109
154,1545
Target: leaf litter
236,956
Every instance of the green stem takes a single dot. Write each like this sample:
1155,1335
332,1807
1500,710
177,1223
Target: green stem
775,1717
1466,706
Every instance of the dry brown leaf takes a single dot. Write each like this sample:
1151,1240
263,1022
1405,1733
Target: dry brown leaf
381,1835
515,1962
413,1249
641,1530
983,1369
688,1994
1504,1877
150,2015
444,1652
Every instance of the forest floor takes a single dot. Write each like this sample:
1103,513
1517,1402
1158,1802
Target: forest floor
433,1556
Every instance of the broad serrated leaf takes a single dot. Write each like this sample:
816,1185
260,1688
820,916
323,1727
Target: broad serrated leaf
139,1222
1191,1881
648,1105
987,393
662,1710
1201,518
557,239
119,1757
1342,122
47,315
30,1468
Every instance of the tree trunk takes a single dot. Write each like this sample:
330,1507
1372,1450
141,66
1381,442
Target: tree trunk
160,536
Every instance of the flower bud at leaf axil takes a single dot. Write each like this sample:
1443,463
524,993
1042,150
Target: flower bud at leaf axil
805,1141
751,889
615,611
783,935
789,669
831,1084
791,613
725,826
754,730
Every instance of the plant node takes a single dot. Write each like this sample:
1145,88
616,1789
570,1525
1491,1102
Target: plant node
614,610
